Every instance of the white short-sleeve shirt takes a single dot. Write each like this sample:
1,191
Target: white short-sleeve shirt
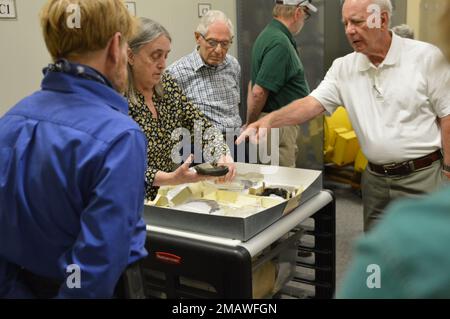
394,108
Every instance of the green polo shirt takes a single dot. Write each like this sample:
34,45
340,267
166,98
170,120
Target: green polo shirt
276,66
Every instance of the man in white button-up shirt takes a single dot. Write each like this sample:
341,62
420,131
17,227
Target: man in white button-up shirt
397,94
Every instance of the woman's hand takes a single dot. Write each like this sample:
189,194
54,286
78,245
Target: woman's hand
184,174
227,161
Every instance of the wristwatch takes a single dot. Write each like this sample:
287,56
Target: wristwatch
446,168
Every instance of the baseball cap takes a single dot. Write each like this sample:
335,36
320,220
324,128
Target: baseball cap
301,3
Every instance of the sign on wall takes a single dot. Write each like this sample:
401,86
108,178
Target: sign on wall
203,8
131,6
8,9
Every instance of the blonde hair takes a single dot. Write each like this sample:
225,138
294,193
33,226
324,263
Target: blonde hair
148,31
99,21
283,11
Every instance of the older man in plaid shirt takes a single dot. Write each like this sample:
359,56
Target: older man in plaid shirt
210,77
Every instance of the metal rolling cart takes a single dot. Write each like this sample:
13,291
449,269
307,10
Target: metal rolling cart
191,265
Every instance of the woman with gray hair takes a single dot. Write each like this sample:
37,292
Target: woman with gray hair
161,109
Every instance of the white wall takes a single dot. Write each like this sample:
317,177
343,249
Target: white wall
23,53
180,17
424,17
413,16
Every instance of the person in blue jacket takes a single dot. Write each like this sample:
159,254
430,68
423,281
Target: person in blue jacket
72,163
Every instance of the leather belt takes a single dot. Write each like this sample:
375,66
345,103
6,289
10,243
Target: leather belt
408,167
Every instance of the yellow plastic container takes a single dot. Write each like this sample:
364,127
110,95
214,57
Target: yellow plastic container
341,145
360,162
345,149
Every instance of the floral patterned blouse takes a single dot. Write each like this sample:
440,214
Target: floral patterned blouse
174,112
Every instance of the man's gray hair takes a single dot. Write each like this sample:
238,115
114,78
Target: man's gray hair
385,5
211,17
148,31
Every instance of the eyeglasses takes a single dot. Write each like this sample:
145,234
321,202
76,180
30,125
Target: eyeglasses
214,43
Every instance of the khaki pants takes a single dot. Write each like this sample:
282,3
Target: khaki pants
287,146
379,191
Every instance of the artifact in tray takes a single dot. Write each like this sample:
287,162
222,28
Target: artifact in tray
210,170
214,199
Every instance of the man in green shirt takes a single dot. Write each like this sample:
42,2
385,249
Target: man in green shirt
277,72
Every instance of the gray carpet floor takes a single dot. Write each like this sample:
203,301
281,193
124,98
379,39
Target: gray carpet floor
349,225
